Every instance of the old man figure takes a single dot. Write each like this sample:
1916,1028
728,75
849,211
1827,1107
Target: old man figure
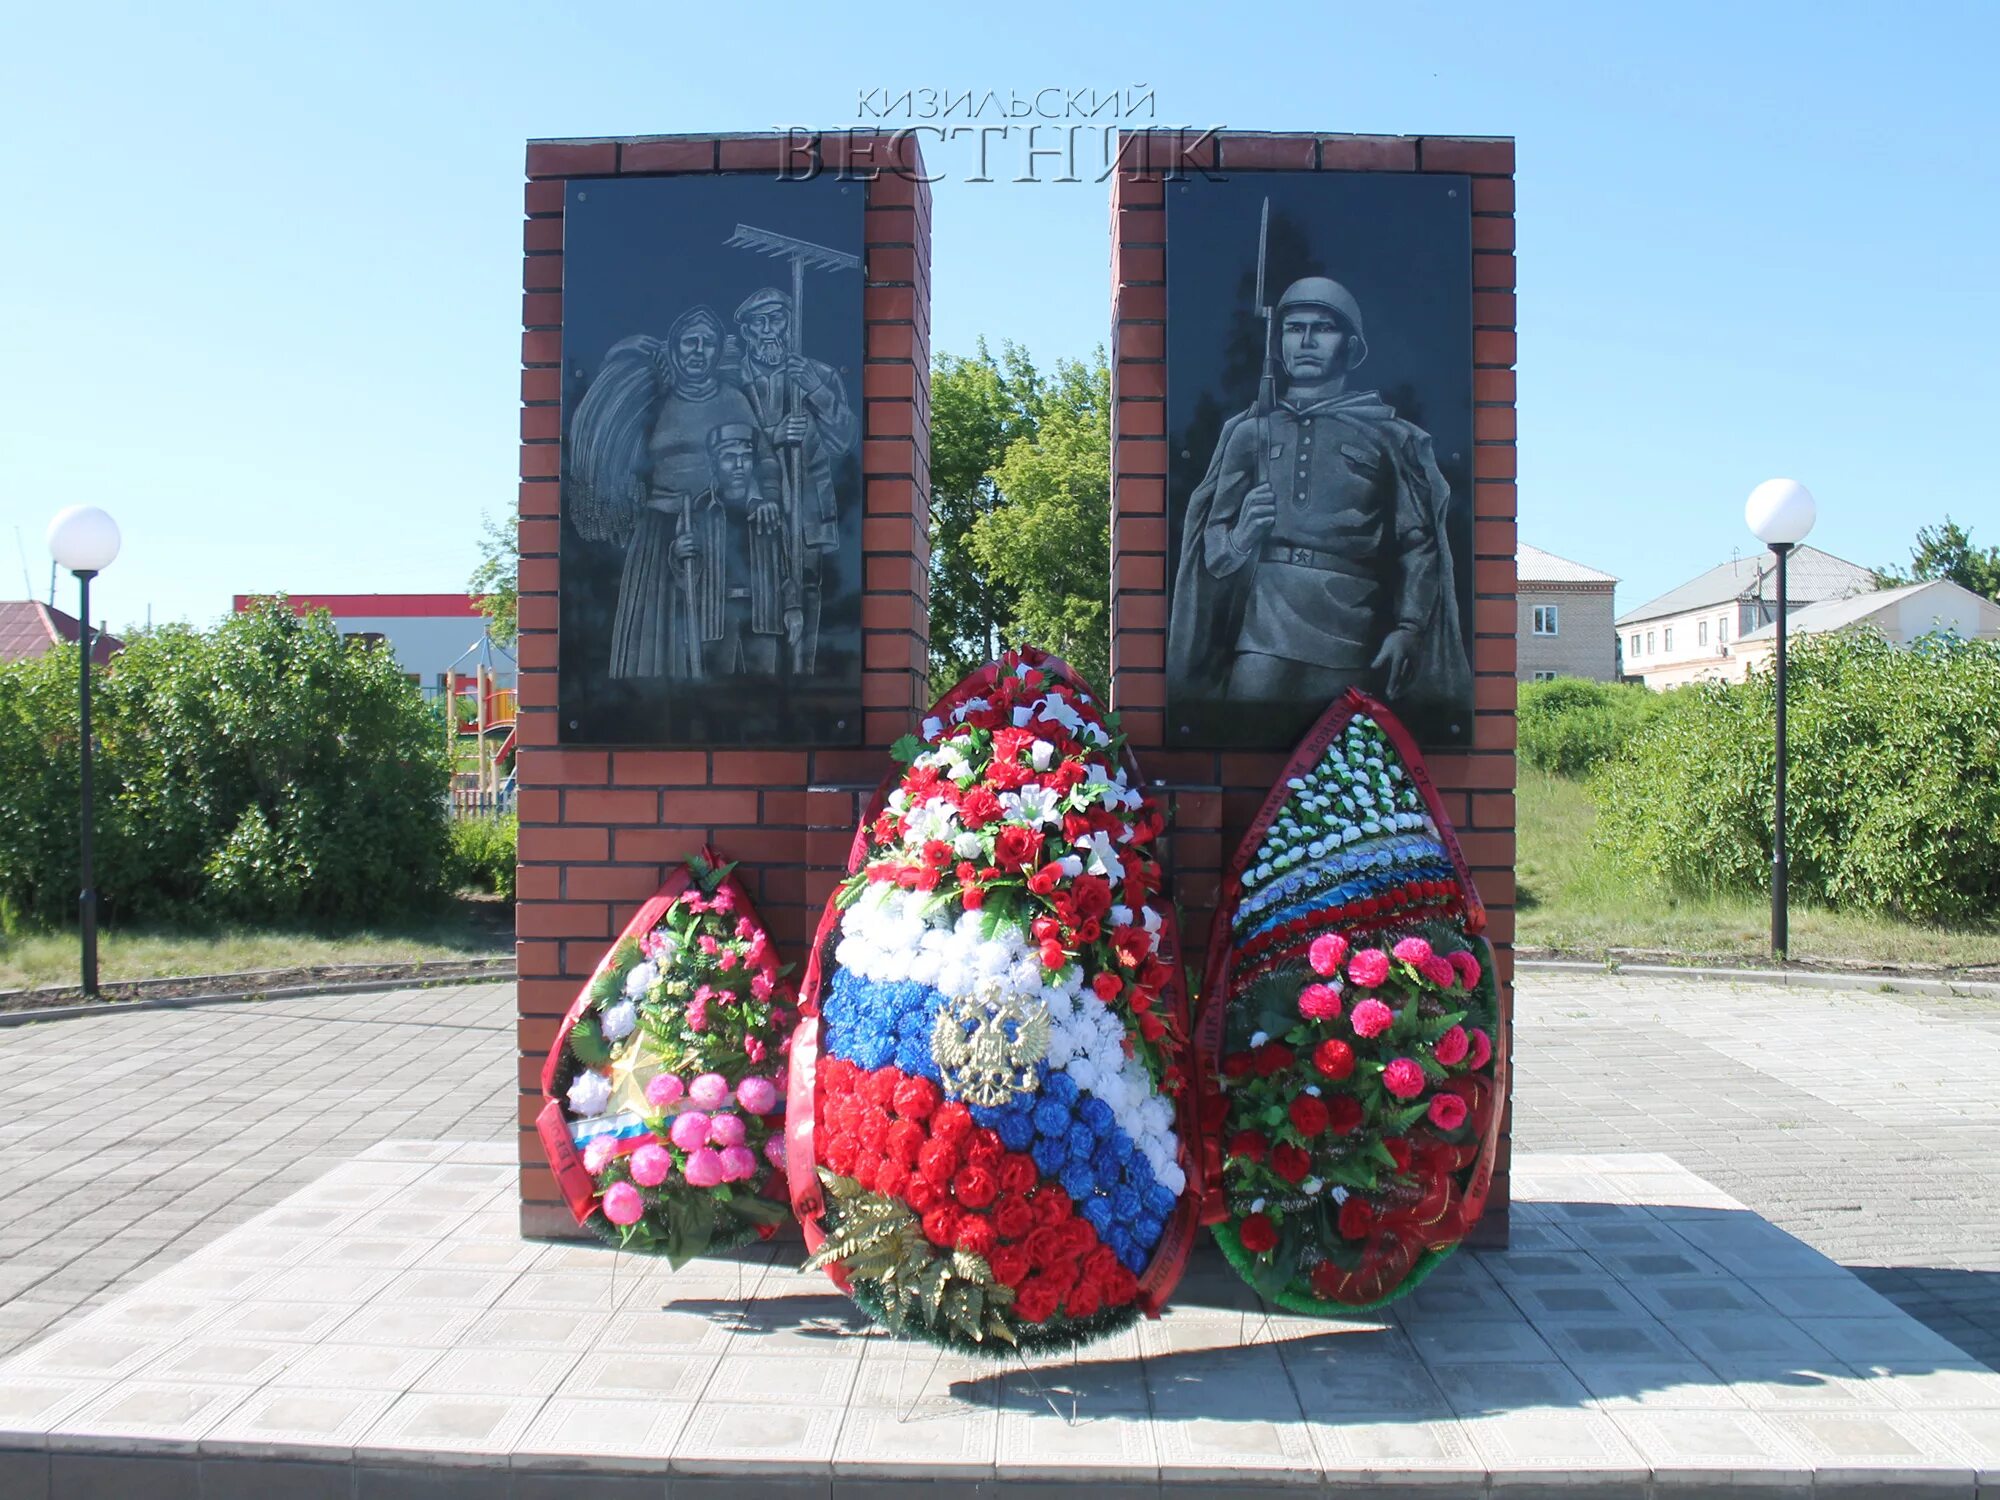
806,424
733,566
1314,554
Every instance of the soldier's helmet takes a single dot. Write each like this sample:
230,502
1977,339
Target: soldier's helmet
1322,291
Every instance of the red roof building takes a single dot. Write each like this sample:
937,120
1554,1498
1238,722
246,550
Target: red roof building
30,628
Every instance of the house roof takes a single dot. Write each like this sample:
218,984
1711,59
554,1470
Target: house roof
30,628
1812,575
1533,565
1837,614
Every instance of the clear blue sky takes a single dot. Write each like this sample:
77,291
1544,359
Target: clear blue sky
260,266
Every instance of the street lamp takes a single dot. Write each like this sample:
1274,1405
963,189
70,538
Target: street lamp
85,540
1780,512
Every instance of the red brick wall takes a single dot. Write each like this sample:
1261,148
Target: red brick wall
600,828
1215,794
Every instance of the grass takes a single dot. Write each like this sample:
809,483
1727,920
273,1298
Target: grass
470,928
1575,897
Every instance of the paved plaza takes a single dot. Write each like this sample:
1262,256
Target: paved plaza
284,1232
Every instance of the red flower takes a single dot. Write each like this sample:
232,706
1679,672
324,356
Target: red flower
941,1225
1053,956
1046,1245
1236,1065
978,807
841,1150
1092,895
1271,1058
1438,970
983,1149
1398,1148
1151,1027
1248,1144
951,1122
1355,1219
1290,1163
1014,847
892,1178
1017,1174
1083,1300
1010,1265
922,1194
1107,986
1309,1115
914,1098
1344,1114
974,1187
879,1088
1450,1049
1258,1234
903,1141
1034,1303
1052,1206
1045,879
1447,1111
1334,1058
973,898
936,1162
1012,1217
975,1234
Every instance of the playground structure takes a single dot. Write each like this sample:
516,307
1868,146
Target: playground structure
481,742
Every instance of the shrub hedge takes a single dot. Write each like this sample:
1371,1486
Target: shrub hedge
1571,726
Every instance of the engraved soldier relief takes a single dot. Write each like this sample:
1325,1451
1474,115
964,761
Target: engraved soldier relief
1315,551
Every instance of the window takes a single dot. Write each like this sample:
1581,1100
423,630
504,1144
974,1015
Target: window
1701,633
1649,643
1545,619
1667,639
1633,644
1722,630
1545,676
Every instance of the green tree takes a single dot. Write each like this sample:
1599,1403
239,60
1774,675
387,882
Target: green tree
979,407
1048,541
1948,551
495,584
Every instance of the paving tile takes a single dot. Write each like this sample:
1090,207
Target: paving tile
602,1434
955,1446
391,1368
168,1417
30,1404
738,1438
1377,1449
479,1429
496,1372
1041,1444
82,1353
639,1377
783,1380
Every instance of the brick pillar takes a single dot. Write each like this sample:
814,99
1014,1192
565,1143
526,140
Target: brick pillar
601,827
1216,793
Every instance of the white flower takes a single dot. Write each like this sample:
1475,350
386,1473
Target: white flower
970,707
1071,866
1256,1205
1041,755
1052,710
1258,1038
1104,858
1311,1187
1023,717
619,1021
640,979
1034,805
589,1094
1338,1194
933,727
966,846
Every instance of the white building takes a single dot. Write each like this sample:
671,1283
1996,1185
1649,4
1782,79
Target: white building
1691,633
1903,615
432,634
1565,626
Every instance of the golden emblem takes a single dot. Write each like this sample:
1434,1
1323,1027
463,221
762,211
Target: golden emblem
986,1044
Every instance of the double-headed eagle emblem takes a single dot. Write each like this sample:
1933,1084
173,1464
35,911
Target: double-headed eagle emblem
986,1044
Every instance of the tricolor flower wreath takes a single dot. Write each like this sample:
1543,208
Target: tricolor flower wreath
1354,1009
986,1144
664,1113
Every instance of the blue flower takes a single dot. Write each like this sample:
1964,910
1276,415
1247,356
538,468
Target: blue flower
1016,1130
1147,1231
1081,1144
913,1056
1108,1163
1076,1181
1052,1115
871,1050
1060,1087
1132,1257
1098,1213
1049,1155
1159,1202
1125,1204
1095,1113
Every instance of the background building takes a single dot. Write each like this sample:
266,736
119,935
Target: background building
1565,625
30,628
1902,615
1689,633
432,634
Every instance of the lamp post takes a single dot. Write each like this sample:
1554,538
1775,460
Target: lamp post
85,540
1780,512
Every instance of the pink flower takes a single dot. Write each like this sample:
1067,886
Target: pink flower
1319,1002
1438,972
1404,1078
690,1130
710,1091
1326,952
1368,968
761,985
760,947
651,1165
745,928
1371,1018
1482,1049
622,1203
663,1089
1447,1111
697,1010
758,1095
727,962
724,901
725,1130
704,1168
753,1047
707,944
597,1155
1467,967
774,1152
1450,1049
738,1162
1412,951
